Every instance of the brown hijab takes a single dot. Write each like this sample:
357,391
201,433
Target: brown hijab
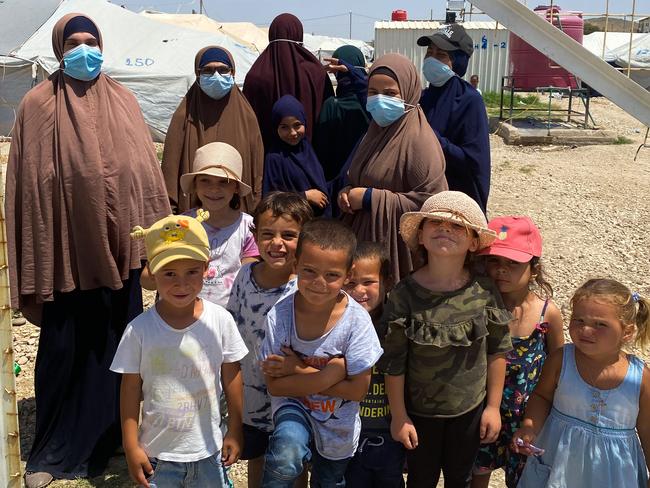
82,172
199,120
402,162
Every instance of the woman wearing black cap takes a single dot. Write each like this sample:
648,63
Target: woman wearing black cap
456,112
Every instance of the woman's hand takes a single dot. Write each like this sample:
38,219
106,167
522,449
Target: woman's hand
343,200
355,198
317,197
333,66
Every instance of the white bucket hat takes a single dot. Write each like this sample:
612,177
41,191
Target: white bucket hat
454,206
216,159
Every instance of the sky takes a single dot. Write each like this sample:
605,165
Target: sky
332,17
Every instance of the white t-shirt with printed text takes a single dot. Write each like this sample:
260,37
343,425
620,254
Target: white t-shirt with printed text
181,380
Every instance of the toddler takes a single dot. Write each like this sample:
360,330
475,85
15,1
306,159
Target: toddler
379,460
591,406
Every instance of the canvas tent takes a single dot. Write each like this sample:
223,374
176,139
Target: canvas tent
154,60
257,37
244,32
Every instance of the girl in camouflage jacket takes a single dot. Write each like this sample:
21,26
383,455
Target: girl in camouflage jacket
444,349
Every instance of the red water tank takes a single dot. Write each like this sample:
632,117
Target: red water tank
531,69
398,15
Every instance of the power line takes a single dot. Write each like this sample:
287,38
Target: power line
340,15
324,17
367,16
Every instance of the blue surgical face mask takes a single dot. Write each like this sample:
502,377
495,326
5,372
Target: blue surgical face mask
216,86
83,62
435,72
384,109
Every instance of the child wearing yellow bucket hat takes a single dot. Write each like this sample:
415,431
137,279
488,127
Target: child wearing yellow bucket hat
175,356
447,334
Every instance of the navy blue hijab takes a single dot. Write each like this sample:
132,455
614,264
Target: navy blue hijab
343,119
456,113
292,168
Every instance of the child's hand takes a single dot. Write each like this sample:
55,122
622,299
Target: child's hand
231,448
526,434
278,366
273,366
404,431
139,466
490,425
339,365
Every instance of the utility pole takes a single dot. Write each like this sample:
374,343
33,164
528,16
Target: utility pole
201,7
350,24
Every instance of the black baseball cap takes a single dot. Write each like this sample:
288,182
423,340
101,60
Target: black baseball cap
451,37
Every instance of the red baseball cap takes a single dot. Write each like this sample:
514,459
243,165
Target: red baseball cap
518,238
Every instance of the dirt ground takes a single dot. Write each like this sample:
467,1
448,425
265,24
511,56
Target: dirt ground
591,204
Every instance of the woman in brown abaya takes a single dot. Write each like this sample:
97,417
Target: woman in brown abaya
82,172
213,110
397,165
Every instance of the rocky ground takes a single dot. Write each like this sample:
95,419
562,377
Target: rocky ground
591,204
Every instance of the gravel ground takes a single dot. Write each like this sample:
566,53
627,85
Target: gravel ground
590,203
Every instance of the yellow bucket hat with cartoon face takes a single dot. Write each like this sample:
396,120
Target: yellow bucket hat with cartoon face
175,237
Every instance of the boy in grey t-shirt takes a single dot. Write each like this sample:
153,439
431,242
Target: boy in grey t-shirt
318,350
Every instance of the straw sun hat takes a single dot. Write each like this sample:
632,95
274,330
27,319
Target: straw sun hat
453,206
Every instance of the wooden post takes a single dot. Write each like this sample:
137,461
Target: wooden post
10,471
629,50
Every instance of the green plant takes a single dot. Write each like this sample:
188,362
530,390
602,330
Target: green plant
527,169
623,140
527,105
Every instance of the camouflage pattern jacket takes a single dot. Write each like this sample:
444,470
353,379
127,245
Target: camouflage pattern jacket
441,342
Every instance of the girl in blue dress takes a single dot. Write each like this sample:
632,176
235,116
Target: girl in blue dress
587,423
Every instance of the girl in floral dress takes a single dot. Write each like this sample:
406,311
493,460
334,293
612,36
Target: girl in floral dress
513,262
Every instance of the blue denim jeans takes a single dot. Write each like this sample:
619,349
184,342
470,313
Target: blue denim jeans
291,446
208,472
378,463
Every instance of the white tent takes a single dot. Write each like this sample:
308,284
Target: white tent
324,46
618,52
154,60
613,41
639,54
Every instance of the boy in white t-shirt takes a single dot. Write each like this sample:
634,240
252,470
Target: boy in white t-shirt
318,351
175,356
